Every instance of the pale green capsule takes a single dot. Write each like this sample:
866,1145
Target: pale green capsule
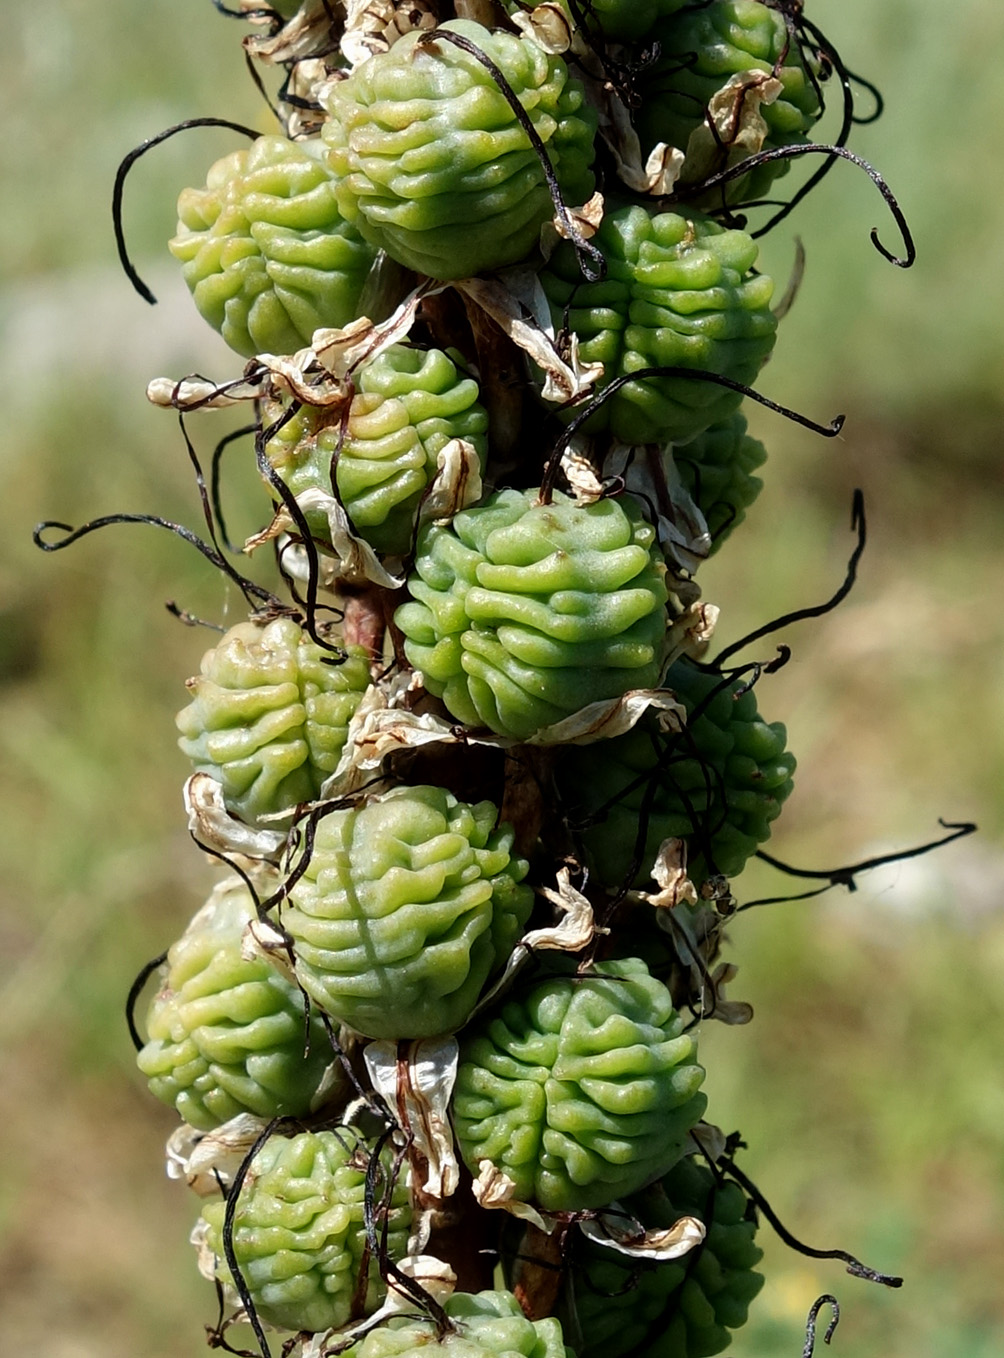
405,908
433,164
226,1035
581,1090
265,250
269,715
409,404
300,1231
483,1325
524,613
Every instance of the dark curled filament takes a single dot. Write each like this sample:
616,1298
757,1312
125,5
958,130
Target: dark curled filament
841,152
132,999
859,525
810,1324
70,535
553,465
229,1253
854,1266
591,259
846,876
120,178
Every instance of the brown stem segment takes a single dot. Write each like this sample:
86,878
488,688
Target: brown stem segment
538,1271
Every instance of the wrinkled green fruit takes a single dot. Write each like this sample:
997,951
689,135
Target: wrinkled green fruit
683,1308
523,613
226,1035
269,715
700,50
679,292
409,404
433,164
718,784
622,20
265,250
406,907
299,1231
717,469
581,1090
485,1325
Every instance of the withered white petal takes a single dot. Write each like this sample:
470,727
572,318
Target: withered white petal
416,1081
216,829
619,1231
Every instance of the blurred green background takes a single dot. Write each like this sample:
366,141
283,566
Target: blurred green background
870,1086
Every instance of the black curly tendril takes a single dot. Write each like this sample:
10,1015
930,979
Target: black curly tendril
119,187
827,1299
727,1167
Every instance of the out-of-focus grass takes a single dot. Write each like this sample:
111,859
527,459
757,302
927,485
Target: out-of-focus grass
868,1087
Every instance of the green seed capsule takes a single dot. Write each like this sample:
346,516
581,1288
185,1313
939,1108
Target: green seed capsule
405,908
717,469
265,251
679,292
485,1325
718,785
700,50
408,405
580,1091
226,1035
622,20
683,1308
433,164
300,1234
269,715
523,613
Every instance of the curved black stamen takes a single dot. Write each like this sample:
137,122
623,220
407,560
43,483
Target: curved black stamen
247,587
590,257
858,524
854,1266
841,152
120,178
845,876
135,990
553,464
215,488
810,1324
229,1253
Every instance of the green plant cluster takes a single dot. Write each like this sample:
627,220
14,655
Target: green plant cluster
482,787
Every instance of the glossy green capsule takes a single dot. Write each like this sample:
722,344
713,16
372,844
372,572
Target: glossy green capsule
700,50
581,1089
265,250
433,164
613,1306
405,908
299,1232
226,1035
718,785
409,404
269,715
680,292
523,613
717,468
